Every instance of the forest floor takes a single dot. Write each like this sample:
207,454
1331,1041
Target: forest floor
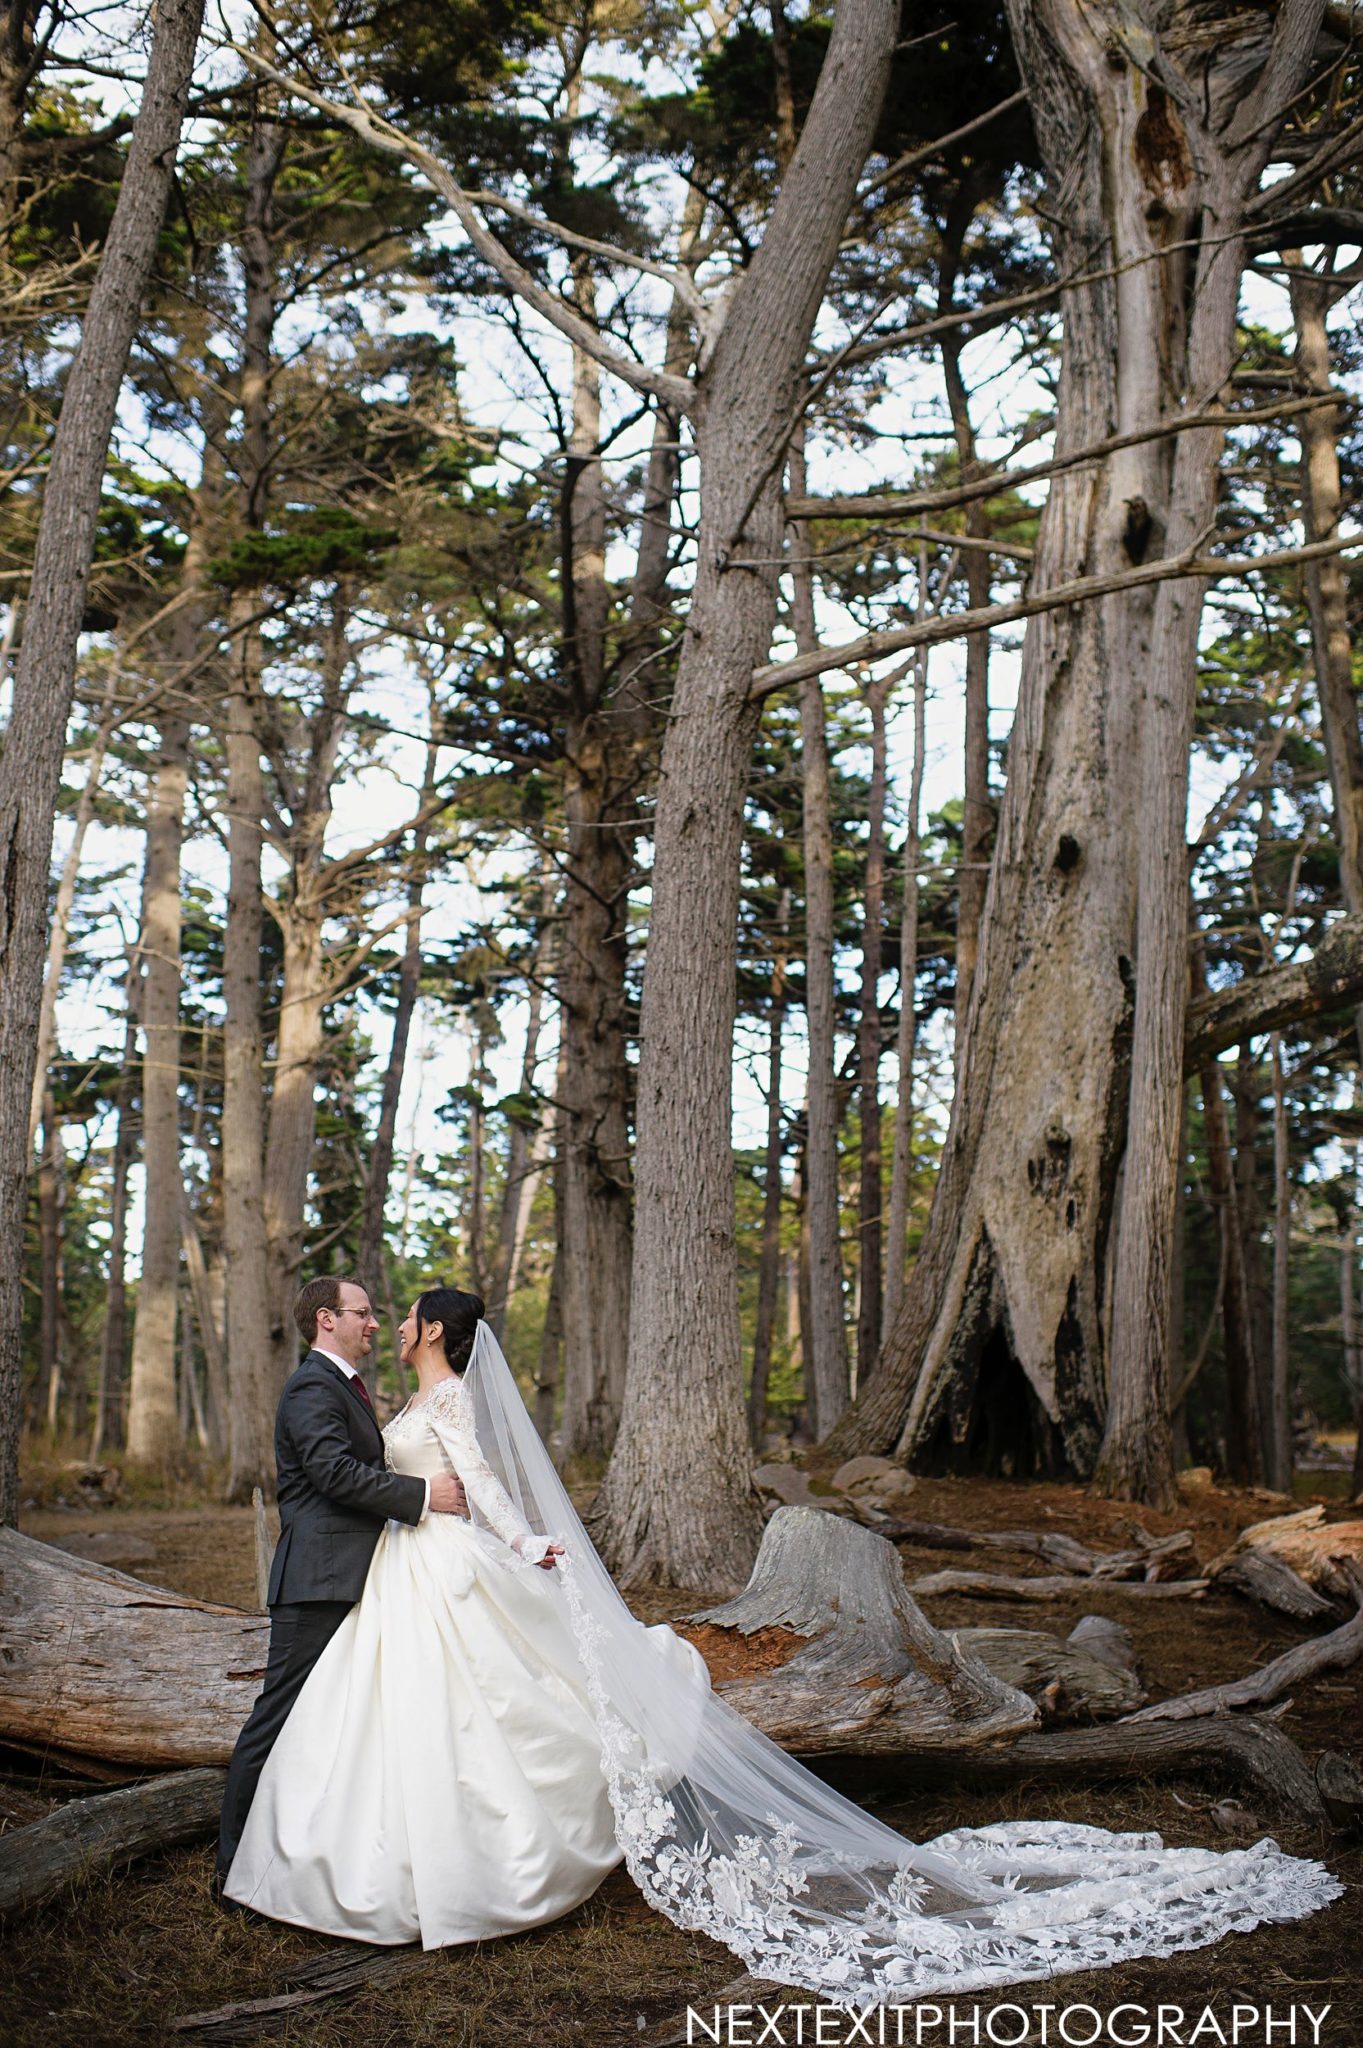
119,1957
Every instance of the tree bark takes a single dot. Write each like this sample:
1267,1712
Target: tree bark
768,1272
50,1165
1327,587
110,1424
1022,1305
44,677
59,931
826,1370
1243,1430
153,1427
871,1204
86,1835
100,1664
977,818
684,1299
901,1165
251,1394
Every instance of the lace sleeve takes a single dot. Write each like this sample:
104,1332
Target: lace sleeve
448,1411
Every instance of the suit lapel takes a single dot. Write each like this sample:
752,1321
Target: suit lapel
319,1358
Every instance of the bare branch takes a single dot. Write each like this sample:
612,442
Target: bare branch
676,392
778,675
896,506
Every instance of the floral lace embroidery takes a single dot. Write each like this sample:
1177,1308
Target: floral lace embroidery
447,1414
1091,1898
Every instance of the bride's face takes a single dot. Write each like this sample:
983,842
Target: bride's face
407,1335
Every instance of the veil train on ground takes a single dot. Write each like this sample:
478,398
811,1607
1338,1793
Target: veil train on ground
728,1836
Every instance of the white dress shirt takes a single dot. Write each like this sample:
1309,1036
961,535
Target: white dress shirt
352,1373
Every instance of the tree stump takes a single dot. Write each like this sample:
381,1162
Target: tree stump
95,1663
877,1679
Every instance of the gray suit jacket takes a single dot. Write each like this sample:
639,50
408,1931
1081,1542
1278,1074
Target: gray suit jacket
334,1493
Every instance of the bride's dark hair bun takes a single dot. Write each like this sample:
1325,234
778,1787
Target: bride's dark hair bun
458,1314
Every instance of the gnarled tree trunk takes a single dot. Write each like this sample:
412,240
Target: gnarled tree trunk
684,1380
1031,1333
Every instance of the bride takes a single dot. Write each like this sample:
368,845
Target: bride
490,1731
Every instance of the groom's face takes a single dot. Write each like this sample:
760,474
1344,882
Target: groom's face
350,1327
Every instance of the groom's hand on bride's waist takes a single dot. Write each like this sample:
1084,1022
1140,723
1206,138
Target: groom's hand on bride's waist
447,1495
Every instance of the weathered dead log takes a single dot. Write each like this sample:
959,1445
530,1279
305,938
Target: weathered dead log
1271,1582
1333,1652
96,1663
1155,1556
996,1586
323,1981
38,1861
1062,1674
1300,1563
1252,1753
877,1679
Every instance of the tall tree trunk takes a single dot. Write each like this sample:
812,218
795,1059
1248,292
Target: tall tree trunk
1280,1416
250,1449
871,1206
153,1427
250,1350
1074,1033
593,1152
369,1256
1327,588
1246,1090
300,910
110,1427
684,1386
59,931
526,1147
827,1378
901,1165
550,1361
768,1272
44,677
1243,1430
977,818
49,1267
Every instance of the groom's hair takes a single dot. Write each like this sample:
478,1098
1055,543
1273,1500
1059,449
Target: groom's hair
323,1293
458,1315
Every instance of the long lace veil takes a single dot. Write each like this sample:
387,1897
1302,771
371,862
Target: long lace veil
726,1834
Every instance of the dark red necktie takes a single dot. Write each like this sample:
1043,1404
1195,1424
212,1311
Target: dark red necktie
362,1390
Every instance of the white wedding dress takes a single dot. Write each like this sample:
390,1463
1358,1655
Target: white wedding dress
439,1778
482,1740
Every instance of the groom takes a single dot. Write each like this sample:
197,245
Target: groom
334,1497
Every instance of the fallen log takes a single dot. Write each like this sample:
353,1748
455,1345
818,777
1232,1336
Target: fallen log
95,1663
1271,1582
325,1981
877,1679
1252,1753
996,1586
1299,1564
1153,1558
40,1860
1335,1652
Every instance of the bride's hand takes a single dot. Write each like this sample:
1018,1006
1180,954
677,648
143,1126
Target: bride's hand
546,1563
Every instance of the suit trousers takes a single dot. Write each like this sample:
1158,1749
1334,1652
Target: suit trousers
299,1632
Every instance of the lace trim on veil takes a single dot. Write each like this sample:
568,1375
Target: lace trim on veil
727,1835
1096,1898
